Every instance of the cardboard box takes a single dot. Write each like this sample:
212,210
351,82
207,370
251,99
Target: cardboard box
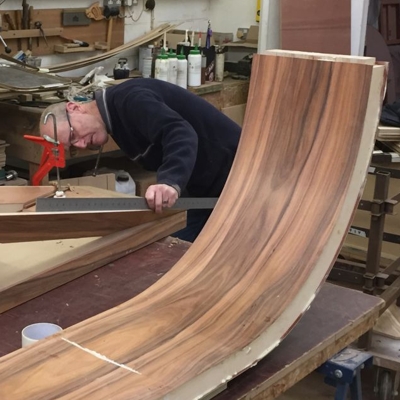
251,40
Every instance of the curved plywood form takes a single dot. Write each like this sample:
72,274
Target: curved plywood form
255,268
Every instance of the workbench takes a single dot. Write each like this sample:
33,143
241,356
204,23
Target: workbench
336,318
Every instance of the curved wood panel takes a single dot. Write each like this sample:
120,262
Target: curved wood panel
255,268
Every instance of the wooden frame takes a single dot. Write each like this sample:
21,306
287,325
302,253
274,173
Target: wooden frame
256,266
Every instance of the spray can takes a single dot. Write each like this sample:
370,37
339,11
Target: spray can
194,67
161,69
182,76
172,67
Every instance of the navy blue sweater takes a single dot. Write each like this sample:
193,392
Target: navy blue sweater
180,135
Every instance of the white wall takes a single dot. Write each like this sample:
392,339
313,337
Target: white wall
228,15
192,14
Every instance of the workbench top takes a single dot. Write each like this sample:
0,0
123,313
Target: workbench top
337,317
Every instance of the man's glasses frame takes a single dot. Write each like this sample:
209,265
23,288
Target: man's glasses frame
72,140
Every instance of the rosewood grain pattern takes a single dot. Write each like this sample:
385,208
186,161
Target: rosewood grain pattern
50,226
254,269
316,25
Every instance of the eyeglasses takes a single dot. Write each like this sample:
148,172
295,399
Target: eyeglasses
72,140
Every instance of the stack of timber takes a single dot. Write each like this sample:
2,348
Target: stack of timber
258,263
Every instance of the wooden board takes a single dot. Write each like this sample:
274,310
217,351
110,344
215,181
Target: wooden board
316,25
256,266
16,227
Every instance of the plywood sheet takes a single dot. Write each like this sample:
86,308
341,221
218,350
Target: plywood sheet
257,264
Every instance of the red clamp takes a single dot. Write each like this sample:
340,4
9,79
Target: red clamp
53,156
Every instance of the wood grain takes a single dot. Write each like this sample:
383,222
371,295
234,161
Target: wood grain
316,25
255,267
25,227
54,263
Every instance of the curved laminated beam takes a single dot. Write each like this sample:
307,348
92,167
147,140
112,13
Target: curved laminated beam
255,268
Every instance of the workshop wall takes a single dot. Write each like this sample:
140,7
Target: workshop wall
192,14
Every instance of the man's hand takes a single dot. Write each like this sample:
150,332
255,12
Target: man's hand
160,196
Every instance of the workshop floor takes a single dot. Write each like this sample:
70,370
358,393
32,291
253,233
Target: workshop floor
313,388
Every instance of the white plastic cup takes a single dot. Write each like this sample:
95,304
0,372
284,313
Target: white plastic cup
32,333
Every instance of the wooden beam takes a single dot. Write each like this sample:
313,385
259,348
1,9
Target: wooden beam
31,33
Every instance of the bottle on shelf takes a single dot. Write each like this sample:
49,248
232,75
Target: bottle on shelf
161,68
194,67
182,76
172,67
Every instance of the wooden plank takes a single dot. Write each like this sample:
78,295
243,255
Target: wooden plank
31,33
54,263
316,25
16,227
256,266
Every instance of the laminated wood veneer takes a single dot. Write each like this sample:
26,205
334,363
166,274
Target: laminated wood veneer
255,268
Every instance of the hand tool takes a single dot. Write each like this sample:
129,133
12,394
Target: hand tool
80,43
53,156
116,203
25,18
8,50
30,16
10,21
38,25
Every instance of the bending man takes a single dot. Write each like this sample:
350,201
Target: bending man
166,129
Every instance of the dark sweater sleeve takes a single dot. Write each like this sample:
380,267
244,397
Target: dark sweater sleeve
164,128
